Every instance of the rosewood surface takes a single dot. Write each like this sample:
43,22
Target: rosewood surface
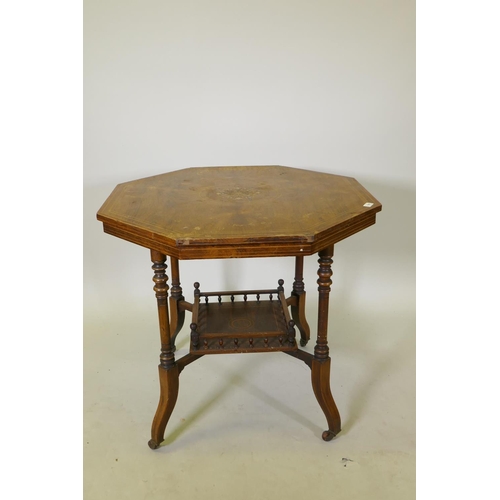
251,211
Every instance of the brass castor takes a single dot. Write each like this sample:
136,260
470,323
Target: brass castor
153,444
303,342
328,435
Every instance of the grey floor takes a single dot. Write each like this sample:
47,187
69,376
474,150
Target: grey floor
248,426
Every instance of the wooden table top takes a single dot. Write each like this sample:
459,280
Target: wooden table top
247,211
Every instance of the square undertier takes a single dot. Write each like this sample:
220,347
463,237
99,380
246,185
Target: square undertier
242,326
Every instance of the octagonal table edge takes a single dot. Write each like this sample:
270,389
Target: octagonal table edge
251,247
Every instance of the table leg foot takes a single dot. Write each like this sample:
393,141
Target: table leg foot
328,435
320,375
153,444
169,389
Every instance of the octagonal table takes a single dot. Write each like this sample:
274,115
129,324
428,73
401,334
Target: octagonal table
227,212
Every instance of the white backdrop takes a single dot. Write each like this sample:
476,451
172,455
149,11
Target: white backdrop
321,85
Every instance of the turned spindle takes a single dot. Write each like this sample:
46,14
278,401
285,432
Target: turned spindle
324,286
160,288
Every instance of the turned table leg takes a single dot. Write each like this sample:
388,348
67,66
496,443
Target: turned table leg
320,367
176,313
168,369
299,310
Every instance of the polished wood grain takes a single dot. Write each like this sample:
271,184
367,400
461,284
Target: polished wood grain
250,211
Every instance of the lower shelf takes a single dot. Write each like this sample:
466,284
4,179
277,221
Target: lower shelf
242,326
